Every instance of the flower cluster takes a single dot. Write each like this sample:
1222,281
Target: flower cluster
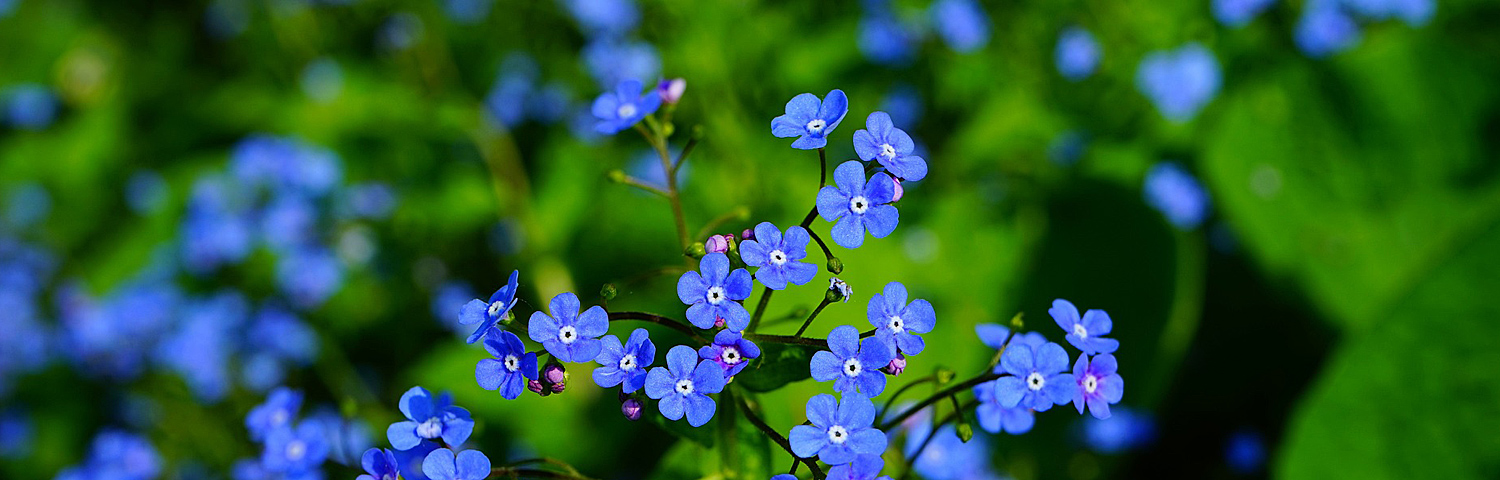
293,448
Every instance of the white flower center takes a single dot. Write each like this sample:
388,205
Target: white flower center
295,450
778,257
852,367
627,362
1090,383
496,307
858,204
731,355
715,295
837,434
512,363
567,334
1080,331
685,387
1036,381
432,428
896,325
279,417
625,111
887,151
816,125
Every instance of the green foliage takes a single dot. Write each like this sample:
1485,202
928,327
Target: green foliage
779,364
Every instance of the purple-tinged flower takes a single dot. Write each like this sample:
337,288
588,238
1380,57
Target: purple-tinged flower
294,451
779,258
896,322
1177,195
632,409
883,142
863,467
839,431
1325,29
555,377
277,412
510,367
443,464
1238,13
1086,334
996,418
625,365
962,23
731,351
858,205
810,119
1098,384
715,293
851,364
429,418
718,243
570,336
671,90
380,464
683,386
1077,54
486,314
1179,82
1036,379
897,191
624,107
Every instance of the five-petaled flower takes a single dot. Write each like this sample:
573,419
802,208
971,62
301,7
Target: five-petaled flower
1098,384
1086,334
380,464
779,257
731,351
443,464
864,467
810,119
486,314
277,412
625,365
851,364
890,146
510,367
429,418
995,418
897,322
295,451
568,335
622,108
715,293
839,431
683,386
1035,380
858,205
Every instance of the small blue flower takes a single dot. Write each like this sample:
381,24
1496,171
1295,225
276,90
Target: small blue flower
117,455
731,351
904,104
897,322
611,60
570,336
1125,429
1098,384
715,293
510,367
625,365
858,205
280,334
1077,54
604,17
1238,13
15,435
1179,82
1245,452
30,107
683,386
839,430
429,418
810,119
443,464
890,146
624,107
995,418
962,23
1325,29
278,411
851,364
864,467
992,335
1177,195
309,276
486,314
1035,379
1086,334
784,476
295,451
779,258
380,464
885,40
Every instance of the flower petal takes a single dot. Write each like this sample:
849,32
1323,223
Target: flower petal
825,366
564,307
1064,313
441,464
472,312
919,316
754,253
708,378
715,267
833,109
691,288
807,440
593,322
700,409
865,145
738,285
1097,322
855,412
867,441
402,435
881,220
844,341
659,383
1051,358
849,232
490,373
822,410
672,405
850,178
832,203
1009,390
473,465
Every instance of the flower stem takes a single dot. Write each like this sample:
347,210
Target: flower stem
776,437
811,214
787,339
760,308
637,183
953,390
810,318
827,254
892,400
517,472
657,319
912,459
659,143
822,169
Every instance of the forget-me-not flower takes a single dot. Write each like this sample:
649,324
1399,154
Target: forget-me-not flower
779,257
379,464
897,322
883,142
429,418
624,107
568,335
1179,82
1077,53
851,364
996,418
1099,384
863,467
1175,193
1087,333
731,351
810,119
683,386
1036,379
486,314
839,431
278,411
443,464
1325,28
713,293
1238,13
294,451
858,205
962,24
511,366
625,365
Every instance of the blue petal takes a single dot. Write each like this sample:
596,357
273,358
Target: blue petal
992,335
786,127
511,388
473,465
825,366
416,404
541,328
1017,421
807,440
490,373
919,316
738,285
708,378
1064,313
844,341
910,344
809,142
691,288
881,220
822,410
564,307
768,234
867,441
607,377
1009,390
772,277
865,145
1060,388
855,412
754,254
606,107
803,108
735,316
402,435
874,354
472,312
880,189
441,464
836,454
832,203
799,273
1112,388
850,178
700,408
1018,360
610,351
1051,358
834,107
714,267
681,360
701,315
634,381
880,125
1097,322
672,405
988,415
908,167
871,382
593,322
659,383
849,232
457,431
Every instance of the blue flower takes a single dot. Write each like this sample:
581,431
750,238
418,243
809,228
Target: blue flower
1077,54
903,103
992,335
715,293
277,412
295,451
1086,334
624,107
30,107
1035,380
864,467
1124,430
962,23
784,476
1098,384
947,457
280,334
1179,82
604,17
452,292
896,322
1245,452
15,435
885,40
779,258
429,418
851,364
1177,195
443,464
839,430
411,460
202,347
570,336
611,61
117,455
27,205
625,365
486,314
309,276
890,146
1325,29
731,351
513,366
347,438
380,464
858,205
683,386
810,119
1238,13
995,418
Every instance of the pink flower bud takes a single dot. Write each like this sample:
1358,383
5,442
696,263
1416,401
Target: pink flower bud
896,366
554,373
748,234
899,191
719,322
671,90
718,243
632,409
559,387
535,386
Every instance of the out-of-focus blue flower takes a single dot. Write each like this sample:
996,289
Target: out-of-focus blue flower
510,368
612,61
280,333
731,351
858,205
288,222
996,418
1098,384
204,342
30,106
886,40
295,451
277,412
890,146
1036,377
467,11
370,201
411,460
779,258
1124,430
1174,192
810,119
26,205
15,435
992,335
946,457
1413,12
117,455
896,322
1067,148
549,103
347,438
278,163
683,386
322,80
852,364
1245,452
7,6
569,336
506,101
1179,82
839,431
453,292
218,226
962,23
864,467
226,18
443,464
609,18
400,32
1087,333
624,107
904,104
1325,29
1238,13
1077,53
308,276
379,464
112,337
713,293
625,365
487,313
429,418
146,192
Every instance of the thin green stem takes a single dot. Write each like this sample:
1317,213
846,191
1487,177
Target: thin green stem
660,145
760,308
953,390
550,461
776,437
659,320
638,183
814,315
822,169
892,400
681,158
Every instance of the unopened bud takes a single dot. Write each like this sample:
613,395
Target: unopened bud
1016,323
608,292
896,197
695,251
838,290
718,243
536,386
617,176
554,373
965,432
718,322
896,366
632,409
748,234
835,266
671,90
944,375
559,387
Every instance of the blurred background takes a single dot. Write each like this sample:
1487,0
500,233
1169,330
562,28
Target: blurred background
1288,207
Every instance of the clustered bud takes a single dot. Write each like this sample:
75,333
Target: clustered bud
553,379
835,266
896,366
748,234
632,409
671,90
718,243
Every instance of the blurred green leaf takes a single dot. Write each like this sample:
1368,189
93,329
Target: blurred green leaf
779,364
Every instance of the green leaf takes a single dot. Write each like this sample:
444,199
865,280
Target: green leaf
703,435
779,364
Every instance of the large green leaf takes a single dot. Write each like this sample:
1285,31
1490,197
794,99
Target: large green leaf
779,364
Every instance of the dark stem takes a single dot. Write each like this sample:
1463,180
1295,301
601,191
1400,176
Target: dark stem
760,308
892,400
814,315
682,157
953,390
811,214
776,437
827,255
515,472
822,169
657,319
787,339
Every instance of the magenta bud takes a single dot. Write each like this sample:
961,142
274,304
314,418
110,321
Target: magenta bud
554,373
719,322
558,387
632,409
535,386
896,366
748,234
718,243
671,90
899,191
